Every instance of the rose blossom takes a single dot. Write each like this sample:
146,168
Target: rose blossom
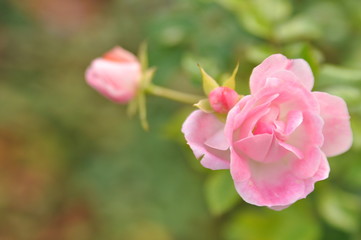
116,75
275,140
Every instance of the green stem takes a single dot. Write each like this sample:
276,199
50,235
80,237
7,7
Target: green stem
172,94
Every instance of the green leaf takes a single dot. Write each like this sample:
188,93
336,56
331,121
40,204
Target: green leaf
231,82
340,209
257,16
332,74
296,222
300,27
220,192
356,132
208,82
257,53
204,105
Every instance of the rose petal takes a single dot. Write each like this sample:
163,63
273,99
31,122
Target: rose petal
119,54
294,120
321,174
200,128
277,62
337,131
263,148
291,94
271,185
307,166
116,81
308,134
239,167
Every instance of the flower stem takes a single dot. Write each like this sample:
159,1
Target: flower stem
172,94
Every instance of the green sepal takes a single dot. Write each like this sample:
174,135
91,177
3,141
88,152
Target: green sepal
132,108
142,111
143,56
148,76
231,81
204,105
221,116
208,82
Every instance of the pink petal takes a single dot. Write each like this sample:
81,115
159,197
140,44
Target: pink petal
297,152
278,62
291,94
120,55
239,167
308,134
321,174
263,148
294,120
201,128
337,131
254,147
279,208
116,81
235,113
307,166
271,185
217,140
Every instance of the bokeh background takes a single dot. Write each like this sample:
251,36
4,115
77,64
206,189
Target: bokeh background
74,167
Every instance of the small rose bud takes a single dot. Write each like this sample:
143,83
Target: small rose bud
222,99
116,75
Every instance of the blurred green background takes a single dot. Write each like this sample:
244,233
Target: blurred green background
73,166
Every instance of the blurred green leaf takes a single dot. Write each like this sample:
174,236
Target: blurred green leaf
356,130
300,27
259,16
220,192
340,209
350,94
257,53
331,74
296,223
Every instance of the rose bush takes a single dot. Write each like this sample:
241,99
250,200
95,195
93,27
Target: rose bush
116,75
275,141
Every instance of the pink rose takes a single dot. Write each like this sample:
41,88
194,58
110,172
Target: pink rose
277,138
116,75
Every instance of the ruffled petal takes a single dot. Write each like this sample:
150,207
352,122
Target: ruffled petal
277,62
307,166
271,185
264,148
203,132
239,167
337,131
321,174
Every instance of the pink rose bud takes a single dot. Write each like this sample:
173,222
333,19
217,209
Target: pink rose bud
222,99
116,75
